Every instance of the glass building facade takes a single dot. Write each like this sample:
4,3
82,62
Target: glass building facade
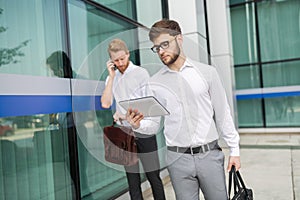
266,49
52,67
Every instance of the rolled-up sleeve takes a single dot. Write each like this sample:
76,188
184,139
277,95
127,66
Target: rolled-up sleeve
149,126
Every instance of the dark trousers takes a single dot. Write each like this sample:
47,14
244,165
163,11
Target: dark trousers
147,152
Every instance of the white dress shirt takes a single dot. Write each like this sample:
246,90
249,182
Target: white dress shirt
133,83
198,106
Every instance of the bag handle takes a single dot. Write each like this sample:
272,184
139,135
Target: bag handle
230,181
236,185
237,180
240,179
242,182
114,122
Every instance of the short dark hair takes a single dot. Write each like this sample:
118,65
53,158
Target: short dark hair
59,63
164,26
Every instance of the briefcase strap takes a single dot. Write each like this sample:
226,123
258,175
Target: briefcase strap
241,180
237,180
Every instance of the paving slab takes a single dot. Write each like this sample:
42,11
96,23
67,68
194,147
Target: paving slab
296,173
270,166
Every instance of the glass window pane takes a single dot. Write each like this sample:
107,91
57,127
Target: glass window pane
282,41
201,18
124,7
89,56
34,157
29,37
243,34
281,74
148,16
283,111
90,32
137,10
250,113
34,161
232,2
247,77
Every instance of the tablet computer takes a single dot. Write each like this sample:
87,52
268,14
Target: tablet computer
149,106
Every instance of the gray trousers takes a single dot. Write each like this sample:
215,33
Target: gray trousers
204,171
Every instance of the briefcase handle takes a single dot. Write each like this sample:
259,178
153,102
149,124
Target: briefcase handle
237,180
115,123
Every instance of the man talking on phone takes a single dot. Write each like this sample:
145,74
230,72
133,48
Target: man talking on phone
127,81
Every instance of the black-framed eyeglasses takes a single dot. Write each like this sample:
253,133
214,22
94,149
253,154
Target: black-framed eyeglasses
163,45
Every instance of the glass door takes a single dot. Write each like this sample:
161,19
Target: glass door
34,102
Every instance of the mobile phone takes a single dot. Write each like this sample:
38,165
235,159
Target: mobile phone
114,66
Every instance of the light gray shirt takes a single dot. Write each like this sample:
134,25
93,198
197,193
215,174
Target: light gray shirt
198,106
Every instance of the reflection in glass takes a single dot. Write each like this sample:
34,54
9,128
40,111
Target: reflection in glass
89,40
247,77
250,113
281,74
243,34
279,39
283,111
124,7
282,41
59,64
34,158
29,36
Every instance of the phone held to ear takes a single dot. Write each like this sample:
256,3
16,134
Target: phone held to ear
114,66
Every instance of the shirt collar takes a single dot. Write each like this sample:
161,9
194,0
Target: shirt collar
187,63
129,68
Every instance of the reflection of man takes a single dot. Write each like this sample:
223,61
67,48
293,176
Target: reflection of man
60,65
196,99
125,82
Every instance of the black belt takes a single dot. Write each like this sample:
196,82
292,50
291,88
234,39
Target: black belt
194,150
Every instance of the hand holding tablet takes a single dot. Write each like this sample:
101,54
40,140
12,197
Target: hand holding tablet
148,106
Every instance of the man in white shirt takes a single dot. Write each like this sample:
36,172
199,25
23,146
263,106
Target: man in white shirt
126,81
199,112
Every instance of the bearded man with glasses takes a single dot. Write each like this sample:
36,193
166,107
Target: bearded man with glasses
199,113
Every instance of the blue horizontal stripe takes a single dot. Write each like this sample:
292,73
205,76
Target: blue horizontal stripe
86,103
281,94
249,96
21,105
267,95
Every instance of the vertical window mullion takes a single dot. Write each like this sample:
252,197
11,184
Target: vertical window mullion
71,131
259,63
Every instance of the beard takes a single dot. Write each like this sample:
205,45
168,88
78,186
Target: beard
174,56
123,68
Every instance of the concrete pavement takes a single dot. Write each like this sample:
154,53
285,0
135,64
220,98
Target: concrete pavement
270,167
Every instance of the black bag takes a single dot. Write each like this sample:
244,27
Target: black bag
120,146
240,190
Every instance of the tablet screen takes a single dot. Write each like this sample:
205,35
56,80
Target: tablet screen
149,106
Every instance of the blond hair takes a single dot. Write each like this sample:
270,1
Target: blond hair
117,45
